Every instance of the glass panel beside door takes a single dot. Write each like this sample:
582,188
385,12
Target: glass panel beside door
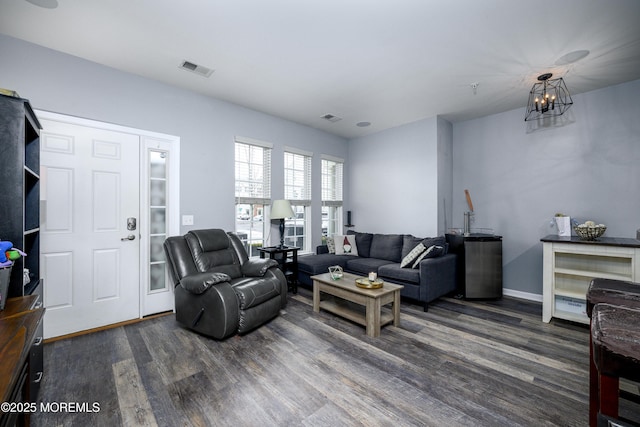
158,195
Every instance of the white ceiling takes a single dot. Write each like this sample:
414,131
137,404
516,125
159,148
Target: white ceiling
388,62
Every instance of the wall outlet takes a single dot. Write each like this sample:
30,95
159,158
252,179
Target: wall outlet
187,219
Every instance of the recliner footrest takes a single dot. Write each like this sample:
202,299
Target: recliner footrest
257,315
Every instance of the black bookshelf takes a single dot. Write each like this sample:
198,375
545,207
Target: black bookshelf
20,190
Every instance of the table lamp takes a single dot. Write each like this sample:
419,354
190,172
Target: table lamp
281,209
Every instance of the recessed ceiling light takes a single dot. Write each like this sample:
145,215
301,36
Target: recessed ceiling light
48,4
363,124
572,57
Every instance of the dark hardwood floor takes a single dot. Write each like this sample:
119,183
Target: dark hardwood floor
463,363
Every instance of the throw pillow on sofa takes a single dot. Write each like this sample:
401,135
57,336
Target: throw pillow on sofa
409,242
433,251
346,245
411,257
331,245
413,247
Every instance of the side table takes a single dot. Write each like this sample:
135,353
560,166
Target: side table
287,258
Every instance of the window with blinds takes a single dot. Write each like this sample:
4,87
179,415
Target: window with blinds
253,191
297,189
332,170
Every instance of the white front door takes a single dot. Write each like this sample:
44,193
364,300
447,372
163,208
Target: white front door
90,197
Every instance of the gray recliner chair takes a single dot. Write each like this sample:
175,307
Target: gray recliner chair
219,291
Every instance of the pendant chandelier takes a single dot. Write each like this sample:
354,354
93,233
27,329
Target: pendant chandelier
548,98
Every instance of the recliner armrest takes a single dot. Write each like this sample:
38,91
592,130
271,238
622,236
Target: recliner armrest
200,282
257,267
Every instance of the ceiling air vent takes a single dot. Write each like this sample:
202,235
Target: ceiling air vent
331,118
195,68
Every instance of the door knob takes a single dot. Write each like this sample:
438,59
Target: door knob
129,237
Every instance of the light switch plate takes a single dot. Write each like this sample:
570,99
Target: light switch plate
187,219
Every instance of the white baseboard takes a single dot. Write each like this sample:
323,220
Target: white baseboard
522,295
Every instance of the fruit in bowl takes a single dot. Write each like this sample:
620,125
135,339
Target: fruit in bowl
589,230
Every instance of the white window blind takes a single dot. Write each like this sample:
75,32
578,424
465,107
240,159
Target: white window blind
253,173
297,189
331,182
332,170
252,192
297,177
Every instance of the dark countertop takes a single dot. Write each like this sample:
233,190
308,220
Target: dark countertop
474,237
604,241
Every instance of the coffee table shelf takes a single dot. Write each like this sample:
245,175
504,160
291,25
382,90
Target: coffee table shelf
357,316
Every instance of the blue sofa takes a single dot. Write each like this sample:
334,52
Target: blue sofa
383,253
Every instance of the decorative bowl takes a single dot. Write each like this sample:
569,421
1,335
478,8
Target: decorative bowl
590,232
365,283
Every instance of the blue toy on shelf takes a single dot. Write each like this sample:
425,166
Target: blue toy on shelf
8,253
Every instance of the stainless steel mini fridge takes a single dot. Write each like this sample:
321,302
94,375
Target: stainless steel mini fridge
479,264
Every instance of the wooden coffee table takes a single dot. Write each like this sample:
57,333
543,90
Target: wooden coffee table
372,299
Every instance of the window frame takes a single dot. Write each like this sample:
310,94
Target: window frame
297,167
332,177
256,193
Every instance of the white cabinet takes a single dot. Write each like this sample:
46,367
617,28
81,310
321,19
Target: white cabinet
571,263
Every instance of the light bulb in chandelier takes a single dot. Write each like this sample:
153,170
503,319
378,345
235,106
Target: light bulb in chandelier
545,96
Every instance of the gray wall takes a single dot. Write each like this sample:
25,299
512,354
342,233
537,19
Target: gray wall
394,177
404,179
65,84
588,169
445,175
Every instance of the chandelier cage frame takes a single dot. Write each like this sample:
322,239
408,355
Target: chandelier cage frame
548,98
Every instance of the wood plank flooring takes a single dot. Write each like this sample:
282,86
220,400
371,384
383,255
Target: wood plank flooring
462,363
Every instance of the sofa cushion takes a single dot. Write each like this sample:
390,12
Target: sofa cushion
346,245
363,240
210,240
387,247
253,291
361,265
318,264
394,271
212,251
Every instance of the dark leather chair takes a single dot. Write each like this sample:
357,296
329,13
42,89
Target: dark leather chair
219,291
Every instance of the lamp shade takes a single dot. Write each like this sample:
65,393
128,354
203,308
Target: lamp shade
281,209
